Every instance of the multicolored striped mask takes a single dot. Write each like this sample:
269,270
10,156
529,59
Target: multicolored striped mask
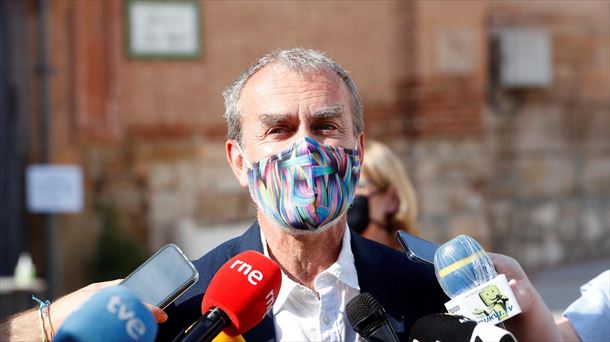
307,185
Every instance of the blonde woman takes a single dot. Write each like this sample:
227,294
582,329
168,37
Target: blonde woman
385,200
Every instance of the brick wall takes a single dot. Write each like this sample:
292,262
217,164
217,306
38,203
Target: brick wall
150,135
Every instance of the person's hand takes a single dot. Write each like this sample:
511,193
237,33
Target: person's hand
159,314
25,326
522,288
64,306
535,323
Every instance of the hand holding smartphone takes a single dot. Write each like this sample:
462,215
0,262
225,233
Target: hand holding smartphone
163,277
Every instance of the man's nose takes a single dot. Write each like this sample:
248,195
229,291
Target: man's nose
303,132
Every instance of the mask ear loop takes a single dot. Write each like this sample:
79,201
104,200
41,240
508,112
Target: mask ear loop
244,156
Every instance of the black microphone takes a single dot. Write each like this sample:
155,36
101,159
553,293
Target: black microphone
449,328
368,319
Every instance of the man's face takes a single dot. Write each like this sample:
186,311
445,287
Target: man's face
279,107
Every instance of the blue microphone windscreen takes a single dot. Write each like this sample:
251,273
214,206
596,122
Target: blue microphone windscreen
461,264
112,314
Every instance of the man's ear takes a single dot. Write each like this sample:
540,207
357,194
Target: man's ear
237,162
361,146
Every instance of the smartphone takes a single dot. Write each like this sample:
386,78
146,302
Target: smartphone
163,277
417,249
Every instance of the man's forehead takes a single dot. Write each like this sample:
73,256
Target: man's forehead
277,95
280,76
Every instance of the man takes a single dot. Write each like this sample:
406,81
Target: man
295,139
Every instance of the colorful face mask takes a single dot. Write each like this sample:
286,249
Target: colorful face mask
307,185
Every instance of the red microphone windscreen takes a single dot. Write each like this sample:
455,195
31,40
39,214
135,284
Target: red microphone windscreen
245,288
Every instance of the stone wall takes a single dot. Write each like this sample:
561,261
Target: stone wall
535,184
549,199
544,205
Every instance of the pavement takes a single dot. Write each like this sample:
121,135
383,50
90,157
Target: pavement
559,286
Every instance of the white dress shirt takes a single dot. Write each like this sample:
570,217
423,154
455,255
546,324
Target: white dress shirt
301,314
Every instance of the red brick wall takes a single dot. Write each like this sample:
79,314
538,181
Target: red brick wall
138,126
446,93
109,95
122,118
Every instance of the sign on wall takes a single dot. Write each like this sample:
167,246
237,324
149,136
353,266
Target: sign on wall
54,188
163,29
526,57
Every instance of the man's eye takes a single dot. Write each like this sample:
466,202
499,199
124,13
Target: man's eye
277,130
327,127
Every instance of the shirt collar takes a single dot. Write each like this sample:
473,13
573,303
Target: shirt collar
344,269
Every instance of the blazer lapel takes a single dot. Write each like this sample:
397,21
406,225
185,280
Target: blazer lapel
251,240
373,280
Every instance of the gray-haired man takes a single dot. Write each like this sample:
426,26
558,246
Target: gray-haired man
295,139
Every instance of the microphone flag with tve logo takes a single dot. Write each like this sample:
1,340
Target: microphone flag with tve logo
112,314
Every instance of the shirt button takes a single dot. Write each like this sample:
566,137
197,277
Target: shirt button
326,320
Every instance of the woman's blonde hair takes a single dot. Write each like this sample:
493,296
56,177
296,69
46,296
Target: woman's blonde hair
384,170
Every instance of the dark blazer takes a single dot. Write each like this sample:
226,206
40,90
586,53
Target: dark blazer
407,290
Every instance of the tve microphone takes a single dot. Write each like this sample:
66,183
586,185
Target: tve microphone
238,297
112,314
368,319
449,328
468,277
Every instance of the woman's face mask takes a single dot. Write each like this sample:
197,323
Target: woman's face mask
358,214
307,186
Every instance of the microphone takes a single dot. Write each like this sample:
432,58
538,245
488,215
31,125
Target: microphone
238,297
468,276
449,328
223,337
368,319
112,314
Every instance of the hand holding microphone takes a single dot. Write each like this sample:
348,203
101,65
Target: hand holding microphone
112,314
535,323
238,297
468,277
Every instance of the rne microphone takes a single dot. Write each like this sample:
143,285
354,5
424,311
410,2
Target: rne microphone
238,297
369,320
469,278
112,314
450,328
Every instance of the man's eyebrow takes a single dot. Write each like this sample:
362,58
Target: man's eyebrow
329,112
268,119
272,119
